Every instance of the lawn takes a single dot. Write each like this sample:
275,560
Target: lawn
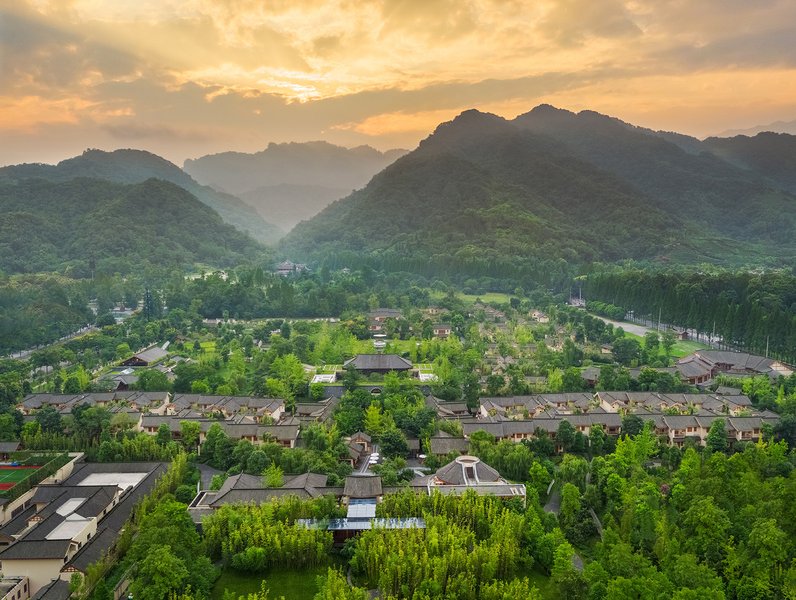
293,585
486,297
393,346
542,582
679,350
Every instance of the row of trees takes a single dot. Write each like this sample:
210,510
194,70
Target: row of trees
752,310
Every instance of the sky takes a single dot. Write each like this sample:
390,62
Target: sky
184,78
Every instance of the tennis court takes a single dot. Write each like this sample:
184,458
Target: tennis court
10,476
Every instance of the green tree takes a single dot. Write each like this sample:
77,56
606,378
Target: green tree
565,436
374,422
164,434
151,380
632,425
393,443
159,574
189,434
626,350
717,436
668,340
273,477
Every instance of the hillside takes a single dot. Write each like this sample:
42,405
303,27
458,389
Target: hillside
136,166
48,226
772,155
697,188
483,194
288,183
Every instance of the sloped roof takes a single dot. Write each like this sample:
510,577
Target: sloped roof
362,486
153,354
441,446
381,362
467,470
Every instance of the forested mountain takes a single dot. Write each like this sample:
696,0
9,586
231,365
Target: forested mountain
288,183
47,226
700,188
772,155
484,195
136,166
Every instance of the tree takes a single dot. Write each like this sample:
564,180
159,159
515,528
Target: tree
351,379
164,434
652,344
151,380
632,425
393,443
668,340
717,436
8,428
597,439
49,419
574,470
189,434
374,423
565,436
471,390
273,477
159,574
626,350
708,527
494,383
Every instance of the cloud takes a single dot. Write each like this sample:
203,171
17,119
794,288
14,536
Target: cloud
182,76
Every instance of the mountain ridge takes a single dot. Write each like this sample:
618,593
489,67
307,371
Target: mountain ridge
549,185
292,180
70,225
136,166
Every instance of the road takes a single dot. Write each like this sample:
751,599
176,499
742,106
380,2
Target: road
638,330
24,354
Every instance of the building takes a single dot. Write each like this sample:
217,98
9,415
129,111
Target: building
442,330
368,364
146,358
63,528
467,473
702,366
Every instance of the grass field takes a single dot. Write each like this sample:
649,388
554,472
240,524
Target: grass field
393,346
10,476
679,350
542,582
486,297
293,585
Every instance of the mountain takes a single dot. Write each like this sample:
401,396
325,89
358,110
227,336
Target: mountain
136,166
49,226
776,127
293,181
287,204
772,155
697,188
483,194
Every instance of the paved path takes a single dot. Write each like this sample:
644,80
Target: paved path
25,354
363,469
638,330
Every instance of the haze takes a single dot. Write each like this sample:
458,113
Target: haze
183,78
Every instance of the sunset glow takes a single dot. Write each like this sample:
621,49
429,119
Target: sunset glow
186,77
